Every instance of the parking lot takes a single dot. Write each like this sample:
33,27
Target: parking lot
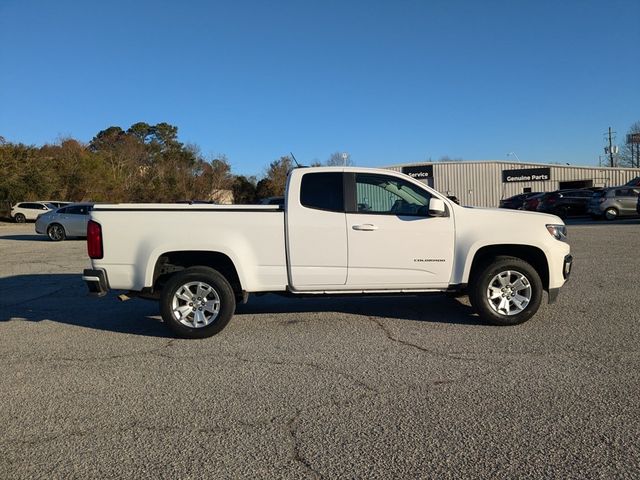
298,388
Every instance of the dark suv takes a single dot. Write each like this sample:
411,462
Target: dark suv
566,203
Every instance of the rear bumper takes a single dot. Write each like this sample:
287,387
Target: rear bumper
96,281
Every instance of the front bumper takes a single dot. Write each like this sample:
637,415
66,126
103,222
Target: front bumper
567,265
566,268
96,282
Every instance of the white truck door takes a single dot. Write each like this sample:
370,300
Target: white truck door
316,230
393,242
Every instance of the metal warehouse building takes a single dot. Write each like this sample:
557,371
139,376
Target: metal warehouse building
485,183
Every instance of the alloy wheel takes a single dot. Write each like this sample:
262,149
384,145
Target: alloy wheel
509,292
195,304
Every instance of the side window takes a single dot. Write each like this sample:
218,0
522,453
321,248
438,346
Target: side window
577,194
62,210
384,194
323,191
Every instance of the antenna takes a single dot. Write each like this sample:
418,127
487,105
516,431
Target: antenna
294,159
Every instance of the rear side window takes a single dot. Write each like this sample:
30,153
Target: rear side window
626,192
323,191
78,210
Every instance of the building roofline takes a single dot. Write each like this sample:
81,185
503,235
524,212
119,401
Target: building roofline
505,162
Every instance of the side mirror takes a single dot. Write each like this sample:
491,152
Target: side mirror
437,208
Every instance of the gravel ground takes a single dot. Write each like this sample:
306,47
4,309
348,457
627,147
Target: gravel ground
361,387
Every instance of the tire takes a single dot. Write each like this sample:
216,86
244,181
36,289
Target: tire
56,232
611,213
20,218
491,278
180,295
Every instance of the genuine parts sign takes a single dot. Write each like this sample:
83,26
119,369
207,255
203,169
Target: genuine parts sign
526,175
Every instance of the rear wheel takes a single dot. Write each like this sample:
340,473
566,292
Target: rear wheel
19,218
611,213
507,291
197,302
56,232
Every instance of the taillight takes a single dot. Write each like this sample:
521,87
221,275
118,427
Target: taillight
94,240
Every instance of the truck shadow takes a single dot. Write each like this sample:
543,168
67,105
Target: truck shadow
62,298
424,308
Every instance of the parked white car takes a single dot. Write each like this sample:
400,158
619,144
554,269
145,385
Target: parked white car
23,211
343,230
69,221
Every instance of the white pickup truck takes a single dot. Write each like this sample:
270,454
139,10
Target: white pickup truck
342,230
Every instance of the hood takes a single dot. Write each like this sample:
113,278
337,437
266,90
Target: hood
502,214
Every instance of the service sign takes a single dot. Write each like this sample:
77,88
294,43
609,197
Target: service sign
419,172
526,175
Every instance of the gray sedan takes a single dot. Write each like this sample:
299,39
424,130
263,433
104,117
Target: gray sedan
69,221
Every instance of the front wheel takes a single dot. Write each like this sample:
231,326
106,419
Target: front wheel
19,218
507,291
197,302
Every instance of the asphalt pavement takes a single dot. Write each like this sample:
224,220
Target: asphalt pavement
400,387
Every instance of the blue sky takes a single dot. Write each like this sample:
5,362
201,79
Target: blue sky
389,82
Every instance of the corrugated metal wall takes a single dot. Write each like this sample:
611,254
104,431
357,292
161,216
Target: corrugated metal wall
375,197
480,183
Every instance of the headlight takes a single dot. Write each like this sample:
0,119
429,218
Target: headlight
559,232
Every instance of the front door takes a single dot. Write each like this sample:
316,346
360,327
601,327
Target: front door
392,241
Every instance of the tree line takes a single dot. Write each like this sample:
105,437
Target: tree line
144,163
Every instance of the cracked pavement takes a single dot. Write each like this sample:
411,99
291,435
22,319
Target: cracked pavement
319,388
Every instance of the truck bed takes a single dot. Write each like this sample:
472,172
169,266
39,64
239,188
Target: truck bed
136,234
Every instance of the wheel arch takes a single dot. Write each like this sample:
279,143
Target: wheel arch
529,253
168,263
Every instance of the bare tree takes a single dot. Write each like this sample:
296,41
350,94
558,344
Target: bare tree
336,159
626,152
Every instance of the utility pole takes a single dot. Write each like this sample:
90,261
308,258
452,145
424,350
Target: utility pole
610,149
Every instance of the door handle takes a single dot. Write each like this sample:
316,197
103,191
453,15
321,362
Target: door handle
365,227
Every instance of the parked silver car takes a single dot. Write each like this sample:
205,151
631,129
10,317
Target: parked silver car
69,221
614,202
